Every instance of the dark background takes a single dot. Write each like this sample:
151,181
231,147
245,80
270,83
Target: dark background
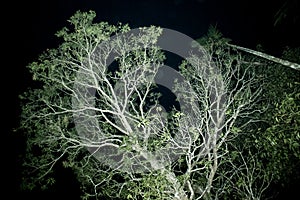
29,29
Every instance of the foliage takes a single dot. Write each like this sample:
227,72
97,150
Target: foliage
243,134
280,139
48,132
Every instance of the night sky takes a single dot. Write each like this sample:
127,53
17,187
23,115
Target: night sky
30,28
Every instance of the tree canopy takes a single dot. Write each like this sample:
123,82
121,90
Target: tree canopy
97,111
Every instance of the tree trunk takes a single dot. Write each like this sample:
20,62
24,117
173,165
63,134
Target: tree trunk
268,57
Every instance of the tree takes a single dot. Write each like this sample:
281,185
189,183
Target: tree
105,123
278,136
289,11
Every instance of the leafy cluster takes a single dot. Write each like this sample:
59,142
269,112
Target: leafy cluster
252,141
